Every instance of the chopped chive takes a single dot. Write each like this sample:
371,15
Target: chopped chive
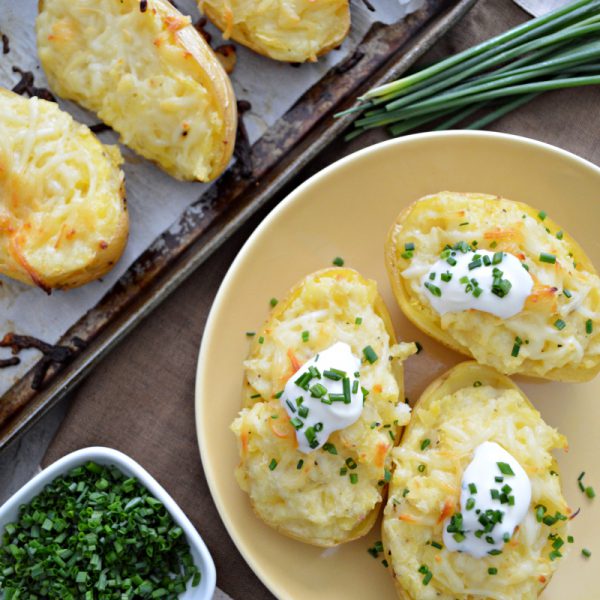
303,411
542,215
559,324
472,488
254,396
434,289
355,385
589,326
475,264
516,347
497,258
273,302
338,261
587,553
351,463
559,235
567,293
446,277
261,340
343,471
426,442
318,390
358,321
407,255
409,246
291,406
589,492
305,336
318,427
272,465
353,478
470,503
370,354
296,423
250,333
436,545
421,468
427,578
505,468
495,552
451,261
477,384
570,539
547,258
492,571
336,397
329,448
387,475
299,464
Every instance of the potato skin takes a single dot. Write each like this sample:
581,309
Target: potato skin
148,74
286,30
413,519
314,504
59,227
485,337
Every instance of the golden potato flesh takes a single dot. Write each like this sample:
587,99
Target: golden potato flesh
287,30
323,497
467,406
146,72
63,219
557,333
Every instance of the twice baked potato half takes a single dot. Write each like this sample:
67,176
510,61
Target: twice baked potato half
288,30
499,281
63,218
146,71
318,488
475,454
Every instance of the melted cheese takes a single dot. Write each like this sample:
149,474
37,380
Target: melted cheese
62,214
149,75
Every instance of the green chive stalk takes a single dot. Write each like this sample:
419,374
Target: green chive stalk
555,51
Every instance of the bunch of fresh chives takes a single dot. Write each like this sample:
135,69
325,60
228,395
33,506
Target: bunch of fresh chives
554,51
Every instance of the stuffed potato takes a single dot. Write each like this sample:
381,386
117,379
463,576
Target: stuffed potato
287,30
332,493
468,406
63,219
148,74
538,314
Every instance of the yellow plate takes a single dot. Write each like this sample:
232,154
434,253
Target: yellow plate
345,211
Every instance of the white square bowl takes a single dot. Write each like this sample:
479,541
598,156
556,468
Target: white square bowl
9,511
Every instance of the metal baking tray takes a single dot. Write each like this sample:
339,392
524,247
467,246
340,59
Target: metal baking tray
305,130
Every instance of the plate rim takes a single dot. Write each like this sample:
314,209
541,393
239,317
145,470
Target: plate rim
294,196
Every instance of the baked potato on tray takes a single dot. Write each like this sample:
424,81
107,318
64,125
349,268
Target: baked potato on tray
468,406
332,493
553,333
63,218
288,30
146,71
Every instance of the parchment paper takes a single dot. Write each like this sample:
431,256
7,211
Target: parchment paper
155,200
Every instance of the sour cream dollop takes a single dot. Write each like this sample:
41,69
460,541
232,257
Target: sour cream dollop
492,282
324,396
495,497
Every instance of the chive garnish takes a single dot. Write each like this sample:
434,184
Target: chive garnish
567,293
305,336
273,302
370,354
559,324
338,261
589,492
589,326
516,347
542,215
351,463
559,235
329,448
353,478
505,468
407,255
358,321
547,258
250,333
434,289
492,571
470,503
272,465
497,258
303,411
477,384
318,390
436,545
261,339
300,464
343,471
421,468
425,443
587,553
409,247
472,488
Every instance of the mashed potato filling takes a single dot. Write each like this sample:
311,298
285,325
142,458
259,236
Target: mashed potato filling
425,492
331,494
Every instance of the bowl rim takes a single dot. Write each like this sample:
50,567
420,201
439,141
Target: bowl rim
280,208
119,459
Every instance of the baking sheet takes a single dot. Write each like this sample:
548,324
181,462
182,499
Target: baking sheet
155,199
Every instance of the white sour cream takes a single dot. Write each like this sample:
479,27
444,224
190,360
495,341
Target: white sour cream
315,400
451,287
478,484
